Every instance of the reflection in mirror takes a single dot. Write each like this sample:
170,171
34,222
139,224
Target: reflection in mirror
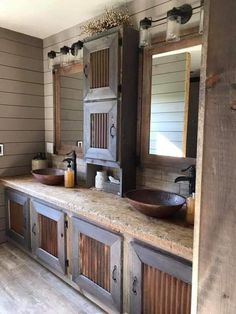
174,102
71,108
68,105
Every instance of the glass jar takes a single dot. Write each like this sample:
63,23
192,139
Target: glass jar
100,179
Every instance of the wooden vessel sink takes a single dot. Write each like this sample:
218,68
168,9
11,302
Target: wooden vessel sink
49,176
155,203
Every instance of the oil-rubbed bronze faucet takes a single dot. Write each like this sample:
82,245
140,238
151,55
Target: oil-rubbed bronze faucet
190,178
72,156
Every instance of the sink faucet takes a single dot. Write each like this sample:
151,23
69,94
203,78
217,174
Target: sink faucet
72,156
190,178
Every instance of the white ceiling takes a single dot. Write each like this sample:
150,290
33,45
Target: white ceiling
43,18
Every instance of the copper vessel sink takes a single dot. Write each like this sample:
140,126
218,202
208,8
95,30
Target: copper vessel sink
155,203
49,176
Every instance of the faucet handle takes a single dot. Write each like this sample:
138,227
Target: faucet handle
67,159
192,170
72,153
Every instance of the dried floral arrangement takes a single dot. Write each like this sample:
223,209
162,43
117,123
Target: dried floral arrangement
111,18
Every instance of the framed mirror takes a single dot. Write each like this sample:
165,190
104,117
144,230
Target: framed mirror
68,108
170,98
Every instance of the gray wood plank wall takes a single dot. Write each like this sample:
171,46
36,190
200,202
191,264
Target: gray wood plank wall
21,105
138,9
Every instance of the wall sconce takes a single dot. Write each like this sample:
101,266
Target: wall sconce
144,32
65,53
175,17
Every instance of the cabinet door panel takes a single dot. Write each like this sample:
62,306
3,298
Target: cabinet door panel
95,258
101,68
16,214
100,122
96,263
159,282
163,293
18,218
48,235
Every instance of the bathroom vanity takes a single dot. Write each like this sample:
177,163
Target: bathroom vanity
122,260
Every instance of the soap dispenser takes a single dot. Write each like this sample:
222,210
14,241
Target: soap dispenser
69,176
190,209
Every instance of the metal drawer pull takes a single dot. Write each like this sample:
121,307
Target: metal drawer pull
113,130
134,285
25,223
114,273
86,70
33,229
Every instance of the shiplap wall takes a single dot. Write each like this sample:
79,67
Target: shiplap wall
72,108
138,10
21,105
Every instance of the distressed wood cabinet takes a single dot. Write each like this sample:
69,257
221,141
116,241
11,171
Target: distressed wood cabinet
96,263
100,130
159,282
101,67
48,235
110,101
18,227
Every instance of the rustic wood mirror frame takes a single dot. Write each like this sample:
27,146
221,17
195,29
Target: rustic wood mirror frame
147,159
57,72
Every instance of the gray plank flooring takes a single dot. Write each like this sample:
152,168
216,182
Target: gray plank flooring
26,287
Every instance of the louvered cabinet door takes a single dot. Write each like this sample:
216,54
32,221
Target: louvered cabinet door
100,135
48,235
96,263
17,205
101,68
159,283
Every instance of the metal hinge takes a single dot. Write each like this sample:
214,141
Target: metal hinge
67,263
119,88
120,41
66,224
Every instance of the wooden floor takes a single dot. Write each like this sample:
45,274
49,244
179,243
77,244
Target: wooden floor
26,287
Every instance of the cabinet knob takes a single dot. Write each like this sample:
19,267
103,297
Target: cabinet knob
33,229
25,223
113,130
114,273
134,285
86,70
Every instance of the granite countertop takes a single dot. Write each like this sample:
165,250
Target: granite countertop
113,212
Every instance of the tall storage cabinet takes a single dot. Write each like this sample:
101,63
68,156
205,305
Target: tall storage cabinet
110,101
